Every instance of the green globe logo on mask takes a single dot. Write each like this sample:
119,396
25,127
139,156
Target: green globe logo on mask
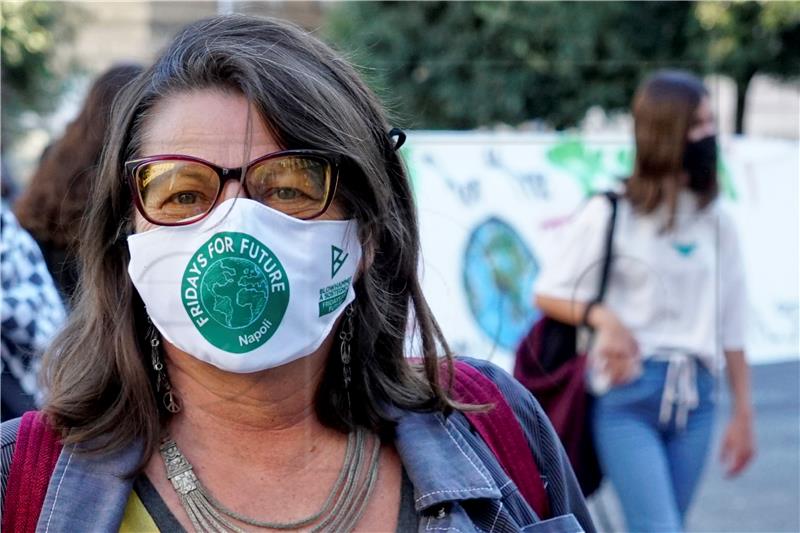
235,292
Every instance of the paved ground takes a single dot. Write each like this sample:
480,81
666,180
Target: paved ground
766,498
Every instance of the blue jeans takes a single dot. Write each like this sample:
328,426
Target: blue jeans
653,467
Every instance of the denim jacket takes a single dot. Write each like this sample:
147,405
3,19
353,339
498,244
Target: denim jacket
459,486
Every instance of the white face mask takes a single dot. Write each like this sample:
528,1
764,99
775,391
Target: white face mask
247,288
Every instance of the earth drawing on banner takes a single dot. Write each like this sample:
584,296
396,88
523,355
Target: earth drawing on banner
498,271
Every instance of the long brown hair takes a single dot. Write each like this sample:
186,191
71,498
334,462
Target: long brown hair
53,204
98,373
664,110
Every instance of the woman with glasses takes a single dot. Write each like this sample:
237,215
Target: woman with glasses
235,358
675,304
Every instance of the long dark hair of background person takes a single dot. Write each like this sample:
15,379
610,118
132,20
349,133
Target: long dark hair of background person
53,204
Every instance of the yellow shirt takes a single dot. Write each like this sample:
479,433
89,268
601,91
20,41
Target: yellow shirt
136,518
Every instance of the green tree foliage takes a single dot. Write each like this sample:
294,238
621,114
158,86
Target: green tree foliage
746,38
29,32
471,64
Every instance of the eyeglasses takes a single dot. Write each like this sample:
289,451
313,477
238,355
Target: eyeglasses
175,190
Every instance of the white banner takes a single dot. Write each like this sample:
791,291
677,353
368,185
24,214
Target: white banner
488,204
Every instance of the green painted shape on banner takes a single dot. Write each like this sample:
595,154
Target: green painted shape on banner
625,160
582,163
726,185
406,153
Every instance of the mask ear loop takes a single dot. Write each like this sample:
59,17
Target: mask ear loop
401,138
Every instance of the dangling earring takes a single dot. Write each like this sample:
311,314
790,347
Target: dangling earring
345,336
170,401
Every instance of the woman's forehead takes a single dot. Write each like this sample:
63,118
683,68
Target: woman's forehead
210,124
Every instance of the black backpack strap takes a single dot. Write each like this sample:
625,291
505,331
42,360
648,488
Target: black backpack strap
607,255
612,224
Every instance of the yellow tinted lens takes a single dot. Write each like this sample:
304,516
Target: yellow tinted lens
174,191
295,185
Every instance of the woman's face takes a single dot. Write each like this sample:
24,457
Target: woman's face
211,125
703,124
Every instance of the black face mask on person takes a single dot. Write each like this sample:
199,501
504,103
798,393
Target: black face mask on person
700,162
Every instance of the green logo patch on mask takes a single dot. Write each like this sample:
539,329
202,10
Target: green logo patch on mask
235,291
333,296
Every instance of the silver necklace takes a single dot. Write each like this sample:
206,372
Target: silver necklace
341,511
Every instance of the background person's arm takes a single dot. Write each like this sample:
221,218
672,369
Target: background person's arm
738,444
618,350
567,311
737,447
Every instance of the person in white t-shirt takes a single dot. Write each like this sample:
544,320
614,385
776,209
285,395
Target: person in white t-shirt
675,304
